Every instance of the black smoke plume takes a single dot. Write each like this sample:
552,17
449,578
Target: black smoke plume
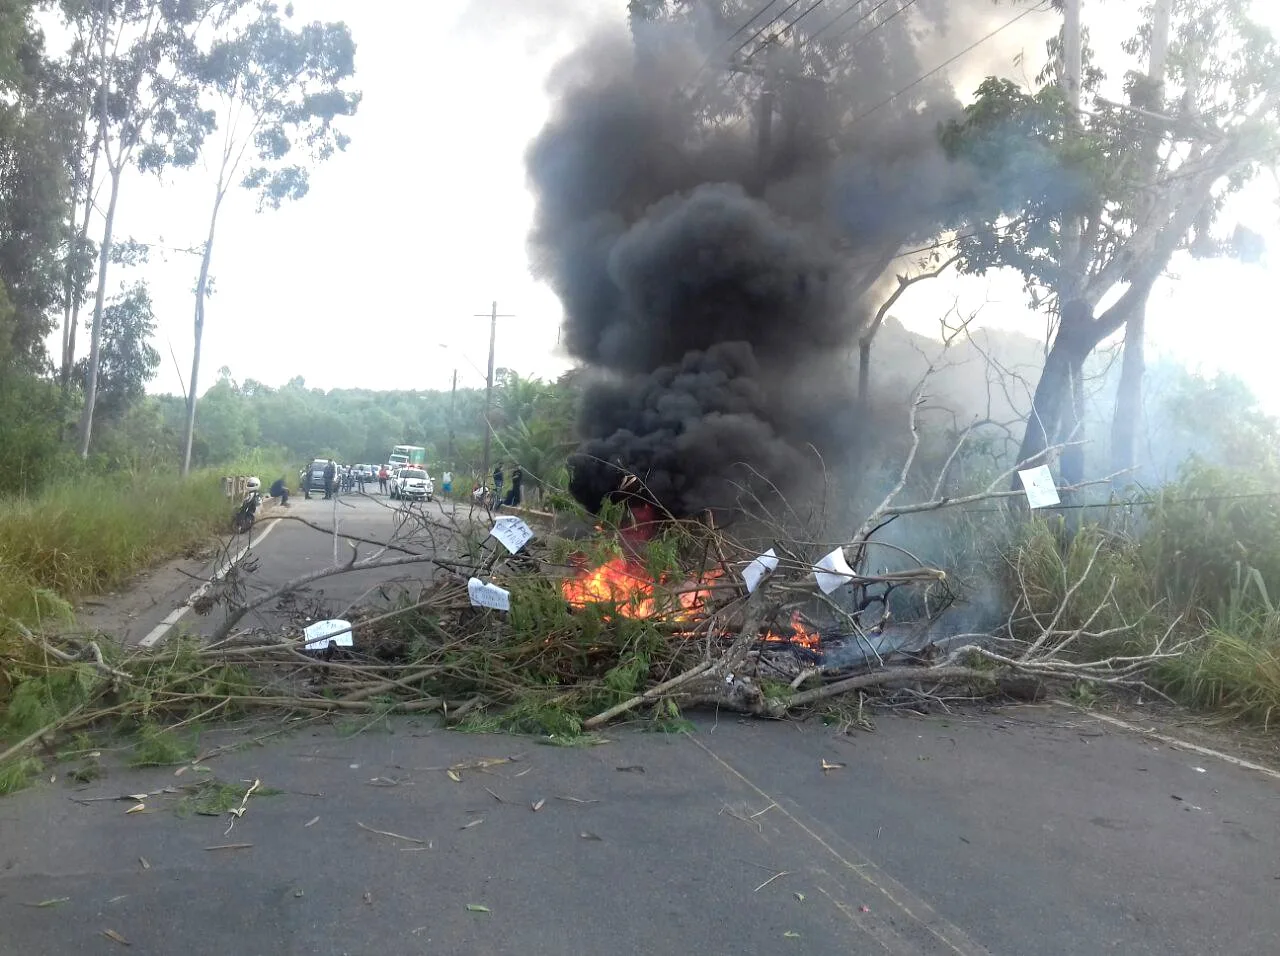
716,311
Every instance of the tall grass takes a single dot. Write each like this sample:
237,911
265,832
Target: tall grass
88,533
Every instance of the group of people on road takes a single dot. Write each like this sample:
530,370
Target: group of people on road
516,495
351,477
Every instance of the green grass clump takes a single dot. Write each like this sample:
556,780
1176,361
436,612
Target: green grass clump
159,747
214,797
17,774
1235,675
90,534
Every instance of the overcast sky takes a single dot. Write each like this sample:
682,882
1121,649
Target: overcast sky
421,224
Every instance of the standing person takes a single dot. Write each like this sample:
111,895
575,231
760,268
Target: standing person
360,476
446,483
330,473
497,483
382,479
517,480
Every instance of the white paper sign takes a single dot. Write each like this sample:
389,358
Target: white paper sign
832,571
758,568
319,634
488,595
1039,486
512,532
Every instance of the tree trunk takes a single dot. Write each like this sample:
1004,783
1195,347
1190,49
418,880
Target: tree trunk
1071,466
79,238
95,337
1128,409
864,375
1052,417
68,290
202,288
1128,412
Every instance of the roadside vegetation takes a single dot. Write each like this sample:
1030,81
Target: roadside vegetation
1183,540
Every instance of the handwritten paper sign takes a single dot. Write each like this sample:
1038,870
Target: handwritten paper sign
757,569
1040,488
319,634
512,532
832,571
488,595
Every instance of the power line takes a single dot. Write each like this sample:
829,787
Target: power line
790,26
896,13
1039,8
1142,502
746,26
751,39
853,5
856,23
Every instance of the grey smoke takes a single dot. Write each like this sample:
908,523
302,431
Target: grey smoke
718,315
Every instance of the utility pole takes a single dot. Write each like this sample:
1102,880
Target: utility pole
453,398
764,120
493,318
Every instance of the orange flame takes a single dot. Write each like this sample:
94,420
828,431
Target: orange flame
628,587
800,634
619,582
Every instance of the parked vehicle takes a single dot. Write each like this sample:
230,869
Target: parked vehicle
407,455
412,484
242,520
313,477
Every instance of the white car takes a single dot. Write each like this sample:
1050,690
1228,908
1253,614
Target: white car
412,484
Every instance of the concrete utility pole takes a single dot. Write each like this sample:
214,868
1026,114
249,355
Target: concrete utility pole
453,397
493,318
764,119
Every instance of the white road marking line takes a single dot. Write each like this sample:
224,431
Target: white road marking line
176,615
1186,745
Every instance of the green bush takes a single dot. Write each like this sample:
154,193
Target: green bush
86,533
1207,525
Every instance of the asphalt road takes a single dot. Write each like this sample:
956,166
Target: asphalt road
280,549
1023,831
1036,830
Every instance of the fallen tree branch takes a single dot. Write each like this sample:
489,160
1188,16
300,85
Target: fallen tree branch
652,693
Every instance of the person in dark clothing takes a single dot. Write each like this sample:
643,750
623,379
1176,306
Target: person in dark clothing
517,480
330,472
278,490
498,477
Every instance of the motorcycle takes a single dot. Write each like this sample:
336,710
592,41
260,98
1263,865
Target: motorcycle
242,520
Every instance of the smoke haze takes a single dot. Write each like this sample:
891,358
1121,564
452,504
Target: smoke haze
716,290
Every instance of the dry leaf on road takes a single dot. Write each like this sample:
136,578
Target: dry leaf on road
43,904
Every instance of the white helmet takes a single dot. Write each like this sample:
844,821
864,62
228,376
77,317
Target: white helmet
253,484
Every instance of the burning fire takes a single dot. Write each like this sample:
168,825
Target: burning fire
628,587
800,634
